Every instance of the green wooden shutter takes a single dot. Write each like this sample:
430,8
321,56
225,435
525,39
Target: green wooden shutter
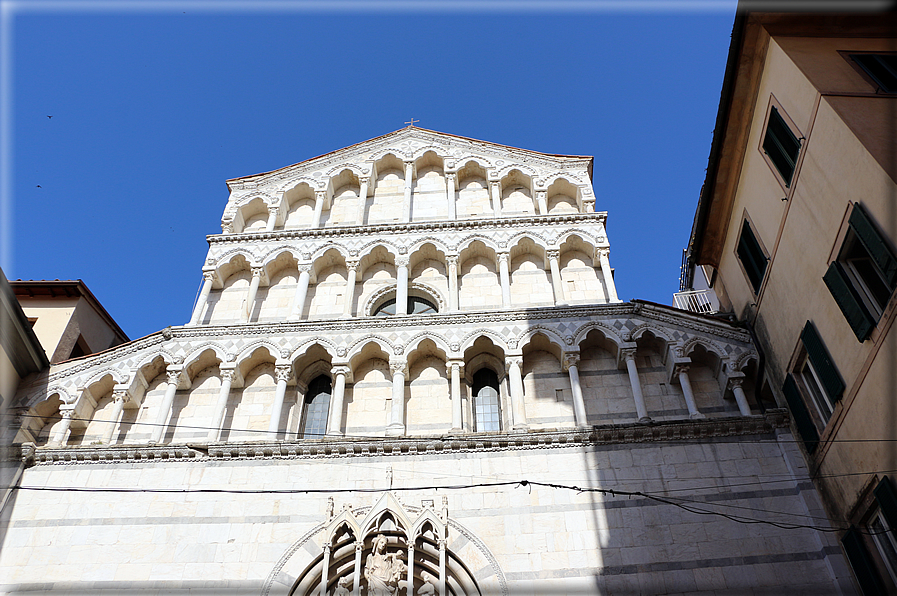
800,415
887,500
751,256
822,362
862,564
851,305
875,245
781,145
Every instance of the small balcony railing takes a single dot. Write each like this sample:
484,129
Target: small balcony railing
699,301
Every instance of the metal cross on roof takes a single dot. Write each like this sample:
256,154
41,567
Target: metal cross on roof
412,122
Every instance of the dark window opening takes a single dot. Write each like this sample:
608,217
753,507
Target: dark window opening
80,348
752,257
317,403
881,68
487,414
416,306
864,276
781,145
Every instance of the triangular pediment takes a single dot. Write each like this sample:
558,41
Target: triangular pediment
408,144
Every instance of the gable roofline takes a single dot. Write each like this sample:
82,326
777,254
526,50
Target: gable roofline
590,158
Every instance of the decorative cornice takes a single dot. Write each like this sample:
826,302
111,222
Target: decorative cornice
671,431
382,230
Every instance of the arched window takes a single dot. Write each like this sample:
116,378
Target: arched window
486,412
317,403
416,306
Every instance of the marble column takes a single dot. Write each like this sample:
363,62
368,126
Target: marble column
282,372
335,417
402,285
504,276
320,195
208,278
557,283
61,431
251,293
603,254
325,570
641,411
452,262
227,372
174,377
541,199
362,202
119,397
513,364
272,219
356,574
441,543
740,398
409,589
454,367
397,413
298,306
687,393
406,203
450,195
495,187
351,274
579,404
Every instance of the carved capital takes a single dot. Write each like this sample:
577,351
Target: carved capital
450,176
503,257
451,261
340,369
283,372
454,364
603,253
571,359
257,271
208,276
397,366
273,211
627,353
402,261
119,396
553,254
541,194
66,414
734,382
320,195
512,361
305,267
174,376
227,226
359,546
352,264
227,374
680,368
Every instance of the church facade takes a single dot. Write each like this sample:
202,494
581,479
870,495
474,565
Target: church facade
408,372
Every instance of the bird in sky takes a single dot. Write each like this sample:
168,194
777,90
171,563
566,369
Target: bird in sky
39,186
49,116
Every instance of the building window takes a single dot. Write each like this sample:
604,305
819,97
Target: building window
317,403
486,411
863,276
813,387
416,306
881,70
781,145
753,258
871,548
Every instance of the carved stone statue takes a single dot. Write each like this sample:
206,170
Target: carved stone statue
429,587
343,585
383,571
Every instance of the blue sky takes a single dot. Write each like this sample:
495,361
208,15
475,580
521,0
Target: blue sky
155,105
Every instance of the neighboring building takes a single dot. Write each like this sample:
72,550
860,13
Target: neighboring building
406,358
68,320
21,353
795,231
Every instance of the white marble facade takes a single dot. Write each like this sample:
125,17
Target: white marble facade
416,311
